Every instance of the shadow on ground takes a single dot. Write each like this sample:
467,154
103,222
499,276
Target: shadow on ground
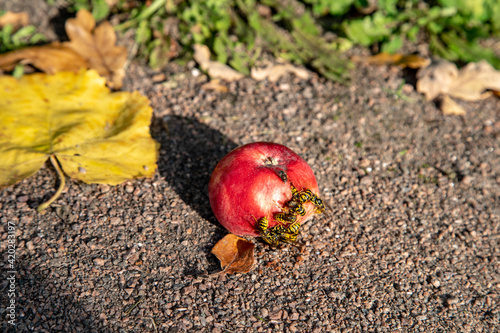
189,152
36,301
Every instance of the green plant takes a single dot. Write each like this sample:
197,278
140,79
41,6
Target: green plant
236,33
13,40
453,28
98,8
239,31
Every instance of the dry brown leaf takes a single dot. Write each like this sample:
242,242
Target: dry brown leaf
236,254
450,107
436,78
87,48
215,85
97,46
410,60
17,20
111,3
215,69
473,80
50,58
274,72
470,83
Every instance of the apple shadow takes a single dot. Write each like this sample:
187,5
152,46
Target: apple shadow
189,152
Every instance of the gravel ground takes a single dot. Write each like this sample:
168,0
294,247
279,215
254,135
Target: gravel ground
411,243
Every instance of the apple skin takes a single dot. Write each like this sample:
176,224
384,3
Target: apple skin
245,186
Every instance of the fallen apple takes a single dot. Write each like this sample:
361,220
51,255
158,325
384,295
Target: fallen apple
255,181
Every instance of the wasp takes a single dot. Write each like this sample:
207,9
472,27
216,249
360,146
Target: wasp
298,210
262,224
287,234
282,175
270,237
300,197
294,191
320,206
286,237
305,196
279,233
293,228
285,217
267,235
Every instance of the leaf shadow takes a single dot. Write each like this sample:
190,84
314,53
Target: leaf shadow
58,22
189,152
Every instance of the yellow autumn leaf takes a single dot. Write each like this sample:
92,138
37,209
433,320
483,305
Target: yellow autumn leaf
97,136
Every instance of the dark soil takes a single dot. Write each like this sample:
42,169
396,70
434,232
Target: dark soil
411,243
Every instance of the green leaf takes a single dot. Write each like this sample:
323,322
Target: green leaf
388,6
143,33
393,45
36,38
369,30
23,32
18,71
220,49
240,62
339,7
469,51
6,35
475,9
412,33
100,9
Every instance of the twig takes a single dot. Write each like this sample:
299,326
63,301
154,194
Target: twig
154,324
146,13
134,305
131,54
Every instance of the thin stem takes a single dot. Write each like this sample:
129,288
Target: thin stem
147,12
62,183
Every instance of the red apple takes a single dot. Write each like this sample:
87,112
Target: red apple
249,183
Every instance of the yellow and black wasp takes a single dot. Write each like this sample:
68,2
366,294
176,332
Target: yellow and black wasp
303,196
279,233
267,235
288,234
298,210
285,217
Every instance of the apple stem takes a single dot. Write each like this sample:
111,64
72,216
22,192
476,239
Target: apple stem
62,183
271,161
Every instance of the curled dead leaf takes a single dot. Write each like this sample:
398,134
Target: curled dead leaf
473,80
89,47
409,60
215,69
17,20
51,58
97,46
274,72
214,85
471,83
236,254
435,79
450,107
